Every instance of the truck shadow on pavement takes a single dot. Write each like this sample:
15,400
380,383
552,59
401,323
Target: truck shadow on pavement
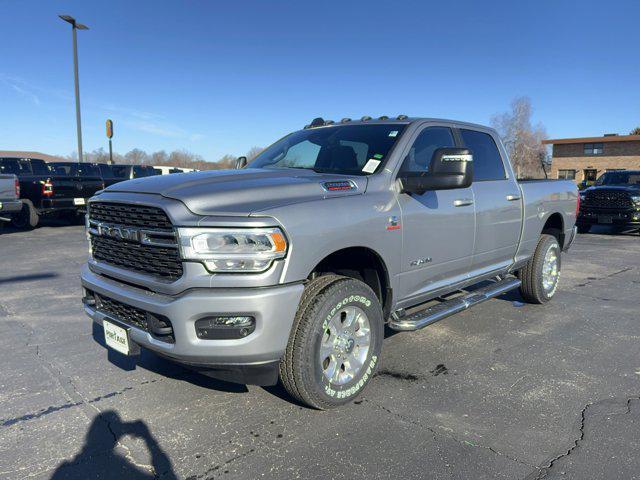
104,455
154,363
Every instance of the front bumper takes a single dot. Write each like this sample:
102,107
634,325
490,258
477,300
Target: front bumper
610,217
273,308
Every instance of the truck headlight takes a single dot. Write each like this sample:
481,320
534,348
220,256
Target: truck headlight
636,200
233,250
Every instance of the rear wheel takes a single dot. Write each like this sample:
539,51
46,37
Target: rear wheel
540,275
27,217
335,342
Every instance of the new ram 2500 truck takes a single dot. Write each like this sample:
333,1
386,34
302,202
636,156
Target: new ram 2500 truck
291,267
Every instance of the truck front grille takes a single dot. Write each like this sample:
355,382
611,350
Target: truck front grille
158,261
157,325
141,216
114,248
607,199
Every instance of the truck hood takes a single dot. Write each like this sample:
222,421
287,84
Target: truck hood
631,189
246,191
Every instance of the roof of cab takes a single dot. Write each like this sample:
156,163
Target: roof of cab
399,120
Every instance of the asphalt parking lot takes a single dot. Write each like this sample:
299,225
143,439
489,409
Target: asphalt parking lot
504,390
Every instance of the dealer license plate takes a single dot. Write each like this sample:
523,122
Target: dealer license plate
78,201
116,337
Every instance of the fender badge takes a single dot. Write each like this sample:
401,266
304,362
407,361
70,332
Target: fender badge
393,223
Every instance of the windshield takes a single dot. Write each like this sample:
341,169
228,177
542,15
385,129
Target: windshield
619,178
344,149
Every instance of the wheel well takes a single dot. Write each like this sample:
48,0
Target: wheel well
555,226
363,264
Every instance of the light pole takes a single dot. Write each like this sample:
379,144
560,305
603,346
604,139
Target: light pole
76,26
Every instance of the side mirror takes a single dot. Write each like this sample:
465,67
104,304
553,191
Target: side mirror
241,162
449,168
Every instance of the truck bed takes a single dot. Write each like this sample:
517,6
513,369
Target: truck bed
539,199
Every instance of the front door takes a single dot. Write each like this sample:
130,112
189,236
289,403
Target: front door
438,226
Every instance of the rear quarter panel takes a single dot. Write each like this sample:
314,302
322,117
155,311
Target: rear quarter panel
541,199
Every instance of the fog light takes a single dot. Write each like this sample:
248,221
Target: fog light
223,327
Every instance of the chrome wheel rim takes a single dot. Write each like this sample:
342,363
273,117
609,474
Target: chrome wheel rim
345,345
550,271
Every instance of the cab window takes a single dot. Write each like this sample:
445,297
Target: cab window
487,162
430,139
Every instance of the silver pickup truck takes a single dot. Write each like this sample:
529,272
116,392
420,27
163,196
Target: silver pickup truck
291,266
10,203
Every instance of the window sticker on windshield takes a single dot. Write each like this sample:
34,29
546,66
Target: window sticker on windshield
371,166
393,133
378,156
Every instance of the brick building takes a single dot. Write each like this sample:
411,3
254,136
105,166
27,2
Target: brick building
587,158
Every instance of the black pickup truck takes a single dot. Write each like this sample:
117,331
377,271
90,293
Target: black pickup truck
49,191
613,201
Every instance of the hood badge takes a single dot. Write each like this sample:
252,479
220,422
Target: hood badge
344,185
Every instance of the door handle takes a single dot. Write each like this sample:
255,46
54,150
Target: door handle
462,202
513,198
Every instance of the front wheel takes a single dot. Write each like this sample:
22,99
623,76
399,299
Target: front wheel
335,342
540,275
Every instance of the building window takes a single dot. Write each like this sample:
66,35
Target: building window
593,149
567,174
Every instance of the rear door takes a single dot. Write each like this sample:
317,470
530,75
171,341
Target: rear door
498,204
437,226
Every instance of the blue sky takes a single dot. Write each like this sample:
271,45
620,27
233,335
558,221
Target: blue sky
220,77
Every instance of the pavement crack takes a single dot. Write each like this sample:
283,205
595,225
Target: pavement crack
604,277
437,433
545,469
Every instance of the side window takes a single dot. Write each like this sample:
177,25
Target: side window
487,163
428,141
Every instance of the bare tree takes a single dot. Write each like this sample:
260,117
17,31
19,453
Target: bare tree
253,153
635,131
136,157
522,140
159,158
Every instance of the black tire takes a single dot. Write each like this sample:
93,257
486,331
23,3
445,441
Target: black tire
27,217
532,288
302,372
584,228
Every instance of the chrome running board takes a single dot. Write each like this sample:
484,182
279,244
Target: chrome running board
429,315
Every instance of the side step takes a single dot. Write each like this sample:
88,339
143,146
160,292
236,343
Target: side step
429,315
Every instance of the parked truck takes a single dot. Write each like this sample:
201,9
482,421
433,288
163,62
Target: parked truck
10,203
291,267
44,191
614,201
